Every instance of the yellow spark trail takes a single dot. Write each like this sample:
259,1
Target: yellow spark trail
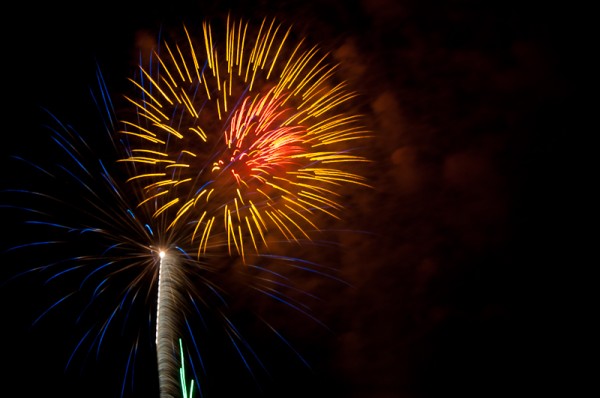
260,128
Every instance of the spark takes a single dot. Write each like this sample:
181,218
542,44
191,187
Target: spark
226,149
282,138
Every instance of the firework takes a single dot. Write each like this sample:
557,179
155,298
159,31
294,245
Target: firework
232,144
78,206
245,135
242,135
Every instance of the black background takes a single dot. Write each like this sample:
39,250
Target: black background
462,289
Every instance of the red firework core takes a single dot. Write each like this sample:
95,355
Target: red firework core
261,140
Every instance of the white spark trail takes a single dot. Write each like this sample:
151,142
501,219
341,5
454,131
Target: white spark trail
166,325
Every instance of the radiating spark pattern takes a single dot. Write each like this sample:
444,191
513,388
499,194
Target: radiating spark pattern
234,143
246,136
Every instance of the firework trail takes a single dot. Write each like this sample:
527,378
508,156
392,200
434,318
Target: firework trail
234,144
166,325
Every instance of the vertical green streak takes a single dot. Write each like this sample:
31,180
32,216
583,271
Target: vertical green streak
184,389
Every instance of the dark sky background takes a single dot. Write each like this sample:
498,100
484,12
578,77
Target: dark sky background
453,285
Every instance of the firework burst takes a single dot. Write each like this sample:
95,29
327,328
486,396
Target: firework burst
232,144
246,136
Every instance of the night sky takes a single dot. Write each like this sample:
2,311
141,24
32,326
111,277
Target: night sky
451,260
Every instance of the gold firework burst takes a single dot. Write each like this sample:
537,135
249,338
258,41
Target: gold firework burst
248,136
